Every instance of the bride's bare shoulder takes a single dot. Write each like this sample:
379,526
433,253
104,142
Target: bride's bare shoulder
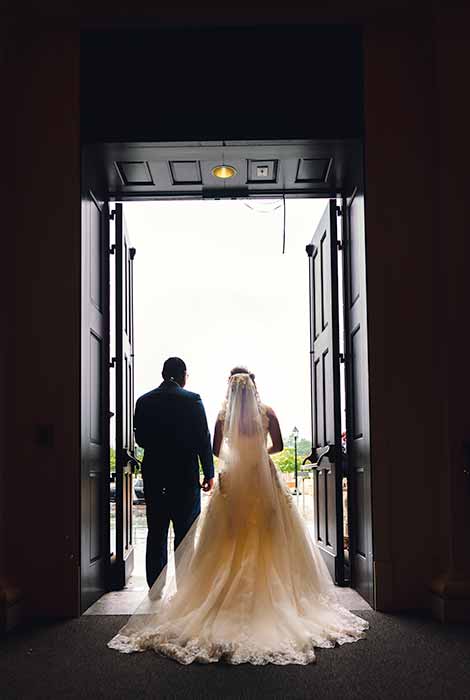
269,416
269,411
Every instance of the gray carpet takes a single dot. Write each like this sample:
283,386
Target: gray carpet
403,657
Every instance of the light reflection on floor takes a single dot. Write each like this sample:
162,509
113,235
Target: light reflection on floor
126,601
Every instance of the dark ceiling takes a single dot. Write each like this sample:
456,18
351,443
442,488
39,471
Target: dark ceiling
207,84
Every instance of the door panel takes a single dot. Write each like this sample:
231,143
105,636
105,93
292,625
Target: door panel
96,399
123,562
94,391
326,454
357,396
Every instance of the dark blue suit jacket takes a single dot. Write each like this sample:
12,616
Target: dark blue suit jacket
170,424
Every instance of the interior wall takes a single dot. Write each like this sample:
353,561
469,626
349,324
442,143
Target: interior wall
417,250
6,124
42,476
248,90
401,256
452,59
418,286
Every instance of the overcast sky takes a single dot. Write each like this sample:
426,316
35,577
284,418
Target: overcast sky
211,285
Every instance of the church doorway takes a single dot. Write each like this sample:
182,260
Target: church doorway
154,136
325,487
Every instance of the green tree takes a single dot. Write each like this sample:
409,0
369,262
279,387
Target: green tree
304,446
285,460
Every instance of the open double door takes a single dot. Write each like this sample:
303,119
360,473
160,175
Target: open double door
107,556
337,466
331,465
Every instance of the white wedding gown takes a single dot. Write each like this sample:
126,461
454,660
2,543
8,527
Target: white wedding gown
248,585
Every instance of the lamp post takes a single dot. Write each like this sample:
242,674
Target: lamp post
295,433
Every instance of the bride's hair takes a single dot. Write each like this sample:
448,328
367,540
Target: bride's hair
242,370
241,410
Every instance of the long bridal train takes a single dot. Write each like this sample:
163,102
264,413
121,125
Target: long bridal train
247,585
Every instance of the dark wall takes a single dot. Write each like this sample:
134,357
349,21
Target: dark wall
401,270
451,377
221,83
6,123
42,415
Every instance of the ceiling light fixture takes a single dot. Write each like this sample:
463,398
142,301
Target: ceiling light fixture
224,171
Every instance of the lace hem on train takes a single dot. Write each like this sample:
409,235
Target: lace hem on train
245,649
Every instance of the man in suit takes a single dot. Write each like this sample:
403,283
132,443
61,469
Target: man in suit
170,424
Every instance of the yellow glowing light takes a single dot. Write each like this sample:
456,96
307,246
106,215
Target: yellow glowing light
224,171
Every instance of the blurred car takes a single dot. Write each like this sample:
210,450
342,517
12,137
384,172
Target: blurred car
138,491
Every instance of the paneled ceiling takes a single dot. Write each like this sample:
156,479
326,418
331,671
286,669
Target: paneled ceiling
263,168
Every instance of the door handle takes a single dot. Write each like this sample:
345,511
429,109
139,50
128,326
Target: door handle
466,461
328,451
133,461
317,455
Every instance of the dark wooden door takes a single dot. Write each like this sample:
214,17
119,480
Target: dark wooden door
95,399
326,454
123,562
357,395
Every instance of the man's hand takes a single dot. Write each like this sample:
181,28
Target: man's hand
207,485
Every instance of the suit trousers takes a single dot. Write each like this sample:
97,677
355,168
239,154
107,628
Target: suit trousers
164,505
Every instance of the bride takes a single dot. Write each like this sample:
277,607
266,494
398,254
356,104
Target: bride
247,584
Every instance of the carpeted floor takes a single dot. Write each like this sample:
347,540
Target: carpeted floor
403,657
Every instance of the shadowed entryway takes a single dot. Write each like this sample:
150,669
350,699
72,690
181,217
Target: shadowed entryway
414,127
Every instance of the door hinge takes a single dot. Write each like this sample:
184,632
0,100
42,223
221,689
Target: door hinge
112,215
342,357
339,244
113,362
112,250
132,252
339,210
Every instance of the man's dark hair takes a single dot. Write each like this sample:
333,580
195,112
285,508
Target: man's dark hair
173,368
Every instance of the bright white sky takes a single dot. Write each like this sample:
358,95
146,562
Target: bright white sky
211,286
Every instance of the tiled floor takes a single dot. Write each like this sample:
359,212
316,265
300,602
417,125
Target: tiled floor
350,599
125,602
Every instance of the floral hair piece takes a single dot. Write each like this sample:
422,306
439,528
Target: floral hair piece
239,378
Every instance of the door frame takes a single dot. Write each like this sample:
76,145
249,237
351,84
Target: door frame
334,193
122,564
355,321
